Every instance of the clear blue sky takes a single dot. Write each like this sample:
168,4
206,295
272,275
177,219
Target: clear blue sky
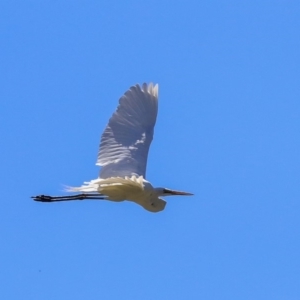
227,130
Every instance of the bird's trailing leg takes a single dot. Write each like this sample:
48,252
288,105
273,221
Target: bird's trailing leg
45,198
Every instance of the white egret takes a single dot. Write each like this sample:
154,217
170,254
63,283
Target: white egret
123,155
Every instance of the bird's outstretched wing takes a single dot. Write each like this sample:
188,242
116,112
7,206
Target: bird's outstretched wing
126,139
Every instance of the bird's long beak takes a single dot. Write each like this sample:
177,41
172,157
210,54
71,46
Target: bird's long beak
177,193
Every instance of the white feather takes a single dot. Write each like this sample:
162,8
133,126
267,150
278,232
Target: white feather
123,155
126,139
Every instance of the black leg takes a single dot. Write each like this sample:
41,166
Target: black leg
45,198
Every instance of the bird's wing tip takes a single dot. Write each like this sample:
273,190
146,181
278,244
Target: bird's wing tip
151,88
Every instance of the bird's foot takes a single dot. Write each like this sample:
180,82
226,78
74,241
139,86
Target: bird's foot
42,198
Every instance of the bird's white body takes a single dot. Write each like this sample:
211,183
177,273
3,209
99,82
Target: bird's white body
135,189
123,155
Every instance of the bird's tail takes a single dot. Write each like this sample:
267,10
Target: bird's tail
87,187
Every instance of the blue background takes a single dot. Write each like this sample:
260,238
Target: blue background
227,130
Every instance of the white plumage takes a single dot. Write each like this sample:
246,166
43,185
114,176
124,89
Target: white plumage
135,189
123,155
127,137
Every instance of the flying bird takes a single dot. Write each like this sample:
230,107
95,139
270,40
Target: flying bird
123,154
